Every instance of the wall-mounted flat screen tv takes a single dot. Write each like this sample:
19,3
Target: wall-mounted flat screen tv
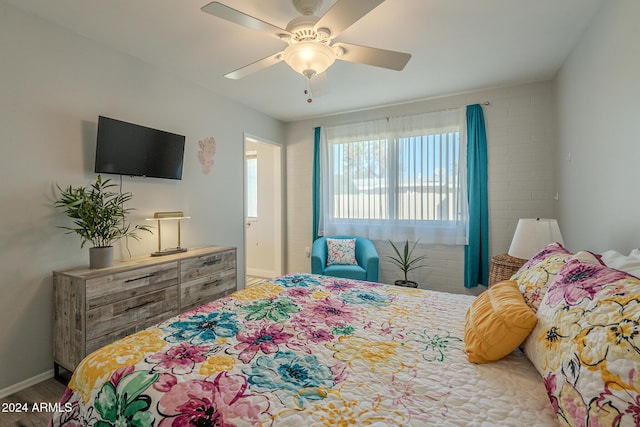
124,148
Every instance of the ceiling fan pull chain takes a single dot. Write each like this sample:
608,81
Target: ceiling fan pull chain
307,91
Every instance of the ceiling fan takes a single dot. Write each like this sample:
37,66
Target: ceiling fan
310,49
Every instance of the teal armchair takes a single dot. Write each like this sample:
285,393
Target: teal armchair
366,255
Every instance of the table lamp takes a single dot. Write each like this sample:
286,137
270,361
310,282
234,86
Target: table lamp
168,216
533,234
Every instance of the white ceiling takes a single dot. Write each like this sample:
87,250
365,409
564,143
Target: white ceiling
457,46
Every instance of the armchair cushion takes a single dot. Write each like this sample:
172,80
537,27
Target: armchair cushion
341,251
346,271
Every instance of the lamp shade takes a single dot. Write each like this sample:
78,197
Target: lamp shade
533,234
309,58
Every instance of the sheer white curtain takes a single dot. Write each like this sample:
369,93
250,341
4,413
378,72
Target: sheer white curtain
397,178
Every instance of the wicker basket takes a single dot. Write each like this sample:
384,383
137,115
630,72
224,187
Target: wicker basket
503,267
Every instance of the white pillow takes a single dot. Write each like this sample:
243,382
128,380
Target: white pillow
341,251
629,263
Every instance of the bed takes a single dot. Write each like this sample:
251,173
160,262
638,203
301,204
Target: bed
307,350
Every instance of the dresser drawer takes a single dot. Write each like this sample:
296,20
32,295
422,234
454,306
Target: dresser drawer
206,289
131,283
97,342
112,317
194,268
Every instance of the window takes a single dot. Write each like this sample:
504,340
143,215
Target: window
400,178
252,184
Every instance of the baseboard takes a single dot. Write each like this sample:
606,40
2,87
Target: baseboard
260,273
25,384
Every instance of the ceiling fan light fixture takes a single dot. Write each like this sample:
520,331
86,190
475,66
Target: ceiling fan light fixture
310,39
309,58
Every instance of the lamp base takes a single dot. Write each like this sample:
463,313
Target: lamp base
169,251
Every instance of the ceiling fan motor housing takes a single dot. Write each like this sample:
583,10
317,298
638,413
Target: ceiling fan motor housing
302,29
308,52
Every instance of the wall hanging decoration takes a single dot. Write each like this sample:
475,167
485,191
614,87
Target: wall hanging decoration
205,155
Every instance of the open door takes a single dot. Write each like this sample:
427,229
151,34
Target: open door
263,208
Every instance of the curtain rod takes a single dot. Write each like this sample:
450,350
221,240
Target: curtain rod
403,115
444,109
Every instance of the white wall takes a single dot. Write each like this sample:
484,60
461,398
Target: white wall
53,86
520,135
598,92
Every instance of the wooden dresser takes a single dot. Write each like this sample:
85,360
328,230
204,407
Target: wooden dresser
93,308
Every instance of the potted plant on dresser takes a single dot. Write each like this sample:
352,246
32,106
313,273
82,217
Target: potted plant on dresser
99,216
406,262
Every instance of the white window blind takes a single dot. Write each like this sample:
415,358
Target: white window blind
398,178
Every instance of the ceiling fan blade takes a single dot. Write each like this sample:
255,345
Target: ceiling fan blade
255,66
232,15
373,56
345,13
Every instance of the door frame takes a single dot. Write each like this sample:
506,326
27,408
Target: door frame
280,208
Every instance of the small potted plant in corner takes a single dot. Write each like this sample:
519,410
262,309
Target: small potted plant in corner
99,217
405,261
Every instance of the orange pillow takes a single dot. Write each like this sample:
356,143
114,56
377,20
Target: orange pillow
497,322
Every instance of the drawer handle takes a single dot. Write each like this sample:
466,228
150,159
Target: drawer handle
212,262
214,283
146,276
137,307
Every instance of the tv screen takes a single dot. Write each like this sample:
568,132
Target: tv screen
128,149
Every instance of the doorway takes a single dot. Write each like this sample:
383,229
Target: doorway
263,208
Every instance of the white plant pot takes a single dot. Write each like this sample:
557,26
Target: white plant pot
101,257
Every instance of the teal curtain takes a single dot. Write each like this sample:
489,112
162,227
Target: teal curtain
476,253
316,183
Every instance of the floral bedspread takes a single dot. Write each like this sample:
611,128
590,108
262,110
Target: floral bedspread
305,350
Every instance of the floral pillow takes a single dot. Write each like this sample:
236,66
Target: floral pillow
586,345
341,251
535,276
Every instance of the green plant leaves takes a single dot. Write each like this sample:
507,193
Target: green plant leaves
99,214
404,259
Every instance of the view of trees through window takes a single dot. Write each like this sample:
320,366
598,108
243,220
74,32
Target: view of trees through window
411,178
